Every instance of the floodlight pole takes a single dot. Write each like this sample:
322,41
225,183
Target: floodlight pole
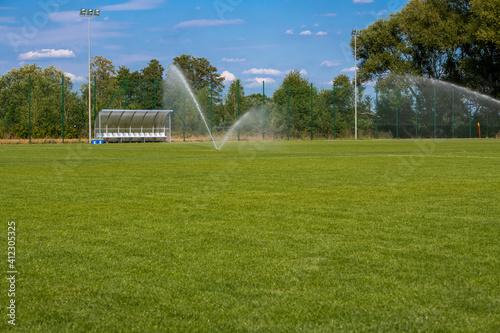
90,121
355,34
90,13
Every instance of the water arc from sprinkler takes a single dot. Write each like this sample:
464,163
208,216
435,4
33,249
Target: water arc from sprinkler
230,131
190,91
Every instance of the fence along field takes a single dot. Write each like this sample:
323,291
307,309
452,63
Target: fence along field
46,107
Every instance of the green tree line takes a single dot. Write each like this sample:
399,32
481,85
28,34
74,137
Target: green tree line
410,53
44,102
31,95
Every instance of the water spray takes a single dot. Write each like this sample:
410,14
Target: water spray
230,131
186,85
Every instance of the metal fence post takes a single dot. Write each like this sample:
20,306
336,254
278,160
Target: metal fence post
334,113
470,124
452,113
397,113
435,113
155,92
288,107
184,113
376,124
416,117
62,108
487,123
29,107
263,108
125,93
211,106
312,119
238,102
376,112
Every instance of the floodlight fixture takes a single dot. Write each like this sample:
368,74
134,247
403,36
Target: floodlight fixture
83,12
97,12
90,12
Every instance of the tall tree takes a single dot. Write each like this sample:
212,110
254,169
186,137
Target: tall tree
103,69
154,70
300,102
132,91
232,100
486,22
453,40
199,72
104,72
151,85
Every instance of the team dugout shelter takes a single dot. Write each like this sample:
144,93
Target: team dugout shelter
133,125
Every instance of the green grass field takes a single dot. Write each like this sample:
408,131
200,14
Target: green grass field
259,237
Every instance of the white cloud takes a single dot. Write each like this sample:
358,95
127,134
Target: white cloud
233,60
303,26
8,19
289,32
46,53
349,70
362,1
198,7
303,72
228,77
75,78
321,33
65,17
327,63
306,33
330,15
207,23
265,71
316,25
134,5
257,82
66,35
372,13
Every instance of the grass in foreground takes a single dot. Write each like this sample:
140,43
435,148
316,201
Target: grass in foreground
277,237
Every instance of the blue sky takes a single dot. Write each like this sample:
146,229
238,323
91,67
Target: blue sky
253,40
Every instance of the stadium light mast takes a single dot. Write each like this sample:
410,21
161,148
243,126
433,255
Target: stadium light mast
90,13
355,34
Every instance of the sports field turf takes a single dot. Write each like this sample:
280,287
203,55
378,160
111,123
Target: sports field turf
258,237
